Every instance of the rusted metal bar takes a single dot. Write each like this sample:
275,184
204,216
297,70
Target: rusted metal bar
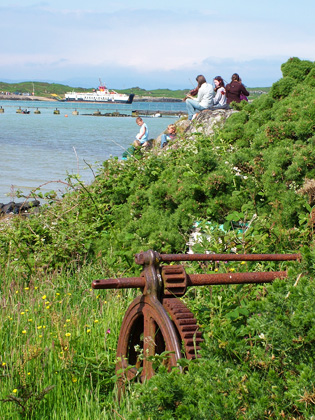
195,280
234,278
227,257
120,283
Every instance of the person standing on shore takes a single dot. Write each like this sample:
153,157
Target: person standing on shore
235,89
204,99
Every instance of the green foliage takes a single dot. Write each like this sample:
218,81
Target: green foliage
310,78
282,88
40,88
245,187
296,68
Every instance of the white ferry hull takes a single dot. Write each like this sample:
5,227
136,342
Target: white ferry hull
99,96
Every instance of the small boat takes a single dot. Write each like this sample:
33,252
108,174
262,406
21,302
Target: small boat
25,111
101,94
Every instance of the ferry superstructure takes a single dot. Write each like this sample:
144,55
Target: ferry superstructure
102,94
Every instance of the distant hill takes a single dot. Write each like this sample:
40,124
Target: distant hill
39,88
48,89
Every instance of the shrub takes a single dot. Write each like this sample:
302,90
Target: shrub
296,68
282,88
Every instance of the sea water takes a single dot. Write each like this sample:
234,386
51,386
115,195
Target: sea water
42,149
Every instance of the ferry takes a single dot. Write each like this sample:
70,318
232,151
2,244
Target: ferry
101,94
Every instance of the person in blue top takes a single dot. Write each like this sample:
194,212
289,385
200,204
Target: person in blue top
143,136
169,136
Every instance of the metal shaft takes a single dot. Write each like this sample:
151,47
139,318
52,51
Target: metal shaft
234,278
120,283
195,280
228,257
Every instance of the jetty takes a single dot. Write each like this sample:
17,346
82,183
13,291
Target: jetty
140,113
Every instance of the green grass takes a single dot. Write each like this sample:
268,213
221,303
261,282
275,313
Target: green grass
59,336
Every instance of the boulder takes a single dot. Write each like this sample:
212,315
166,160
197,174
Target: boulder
16,208
207,121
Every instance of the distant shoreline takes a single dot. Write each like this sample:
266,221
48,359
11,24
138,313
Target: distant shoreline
13,97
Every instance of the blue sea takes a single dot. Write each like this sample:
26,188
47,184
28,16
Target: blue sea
38,150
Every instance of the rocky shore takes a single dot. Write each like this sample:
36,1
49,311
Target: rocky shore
19,208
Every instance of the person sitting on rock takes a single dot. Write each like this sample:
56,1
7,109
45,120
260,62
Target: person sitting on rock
219,101
235,89
204,99
242,96
142,137
170,136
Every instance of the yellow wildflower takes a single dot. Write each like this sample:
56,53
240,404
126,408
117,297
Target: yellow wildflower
14,391
24,332
68,334
44,297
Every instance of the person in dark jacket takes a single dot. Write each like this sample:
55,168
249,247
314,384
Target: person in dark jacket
235,89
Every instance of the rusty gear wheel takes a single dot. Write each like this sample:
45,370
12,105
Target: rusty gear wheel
175,280
171,325
186,326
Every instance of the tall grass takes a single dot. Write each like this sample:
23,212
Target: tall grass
57,347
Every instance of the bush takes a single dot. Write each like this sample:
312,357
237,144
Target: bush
296,68
282,88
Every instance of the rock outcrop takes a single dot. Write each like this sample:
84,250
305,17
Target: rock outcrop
205,122
18,208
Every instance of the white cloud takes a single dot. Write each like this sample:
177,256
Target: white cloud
146,43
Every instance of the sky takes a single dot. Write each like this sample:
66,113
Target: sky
160,44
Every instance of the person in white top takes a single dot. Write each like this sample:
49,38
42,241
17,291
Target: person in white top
143,136
204,98
219,101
